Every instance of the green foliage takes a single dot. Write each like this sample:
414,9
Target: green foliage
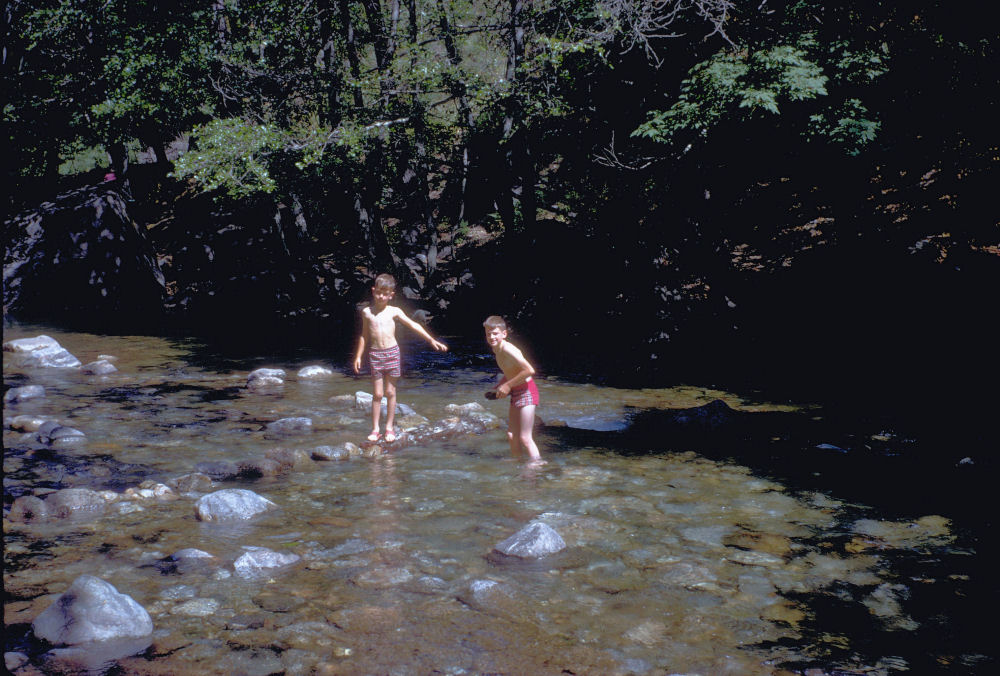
231,155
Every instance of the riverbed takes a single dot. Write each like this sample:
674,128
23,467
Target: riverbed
677,561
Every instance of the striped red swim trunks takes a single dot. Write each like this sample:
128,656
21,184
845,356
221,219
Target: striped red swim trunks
524,395
384,362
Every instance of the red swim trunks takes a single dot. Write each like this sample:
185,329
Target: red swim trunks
524,395
384,362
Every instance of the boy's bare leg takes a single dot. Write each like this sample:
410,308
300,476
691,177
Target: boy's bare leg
526,424
390,415
377,393
514,431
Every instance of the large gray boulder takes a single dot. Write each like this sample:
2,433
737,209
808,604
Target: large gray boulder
231,504
534,541
41,351
92,610
80,255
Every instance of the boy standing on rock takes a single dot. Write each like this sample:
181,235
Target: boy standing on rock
518,384
378,333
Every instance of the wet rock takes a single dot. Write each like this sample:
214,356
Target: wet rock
150,490
13,660
75,502
231,504
92,610
95,657
218,470
314,371
28,508
26,423
196,608
363,401
186,561
101,367
711,536
42,351
195,482
290,458
255,468
475,413
260,561
334,453
16,394
534,541
290,426
262,378
343,401
59,435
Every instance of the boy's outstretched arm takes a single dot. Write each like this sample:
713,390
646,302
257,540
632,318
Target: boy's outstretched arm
436,344
361,344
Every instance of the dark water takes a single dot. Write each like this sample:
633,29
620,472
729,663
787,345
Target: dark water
743,537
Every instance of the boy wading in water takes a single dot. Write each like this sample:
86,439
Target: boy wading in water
518,384
378,334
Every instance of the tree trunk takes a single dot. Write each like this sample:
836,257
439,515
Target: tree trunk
458,90
422,168
352,52
513,119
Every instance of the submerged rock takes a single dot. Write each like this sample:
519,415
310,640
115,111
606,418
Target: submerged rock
98,368
92,610
16,394
534,541
28,508
314,371
290,426
231,504
75,502
195,482
42,351
265,377
258,561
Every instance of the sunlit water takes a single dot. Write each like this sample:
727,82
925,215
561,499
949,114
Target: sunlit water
675,563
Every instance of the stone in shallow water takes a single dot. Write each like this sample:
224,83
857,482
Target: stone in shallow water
314,371
75,502
92,610
16,394
28,508
42,351
259,561
532,542
101,367
289,426
231,504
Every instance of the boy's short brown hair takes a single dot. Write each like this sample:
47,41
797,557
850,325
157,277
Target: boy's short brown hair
385,281
495,322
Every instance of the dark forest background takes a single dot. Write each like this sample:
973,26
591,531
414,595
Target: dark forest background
795,197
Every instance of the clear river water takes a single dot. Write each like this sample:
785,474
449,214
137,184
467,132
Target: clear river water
677,561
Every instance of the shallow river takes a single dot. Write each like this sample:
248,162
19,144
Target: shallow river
675,563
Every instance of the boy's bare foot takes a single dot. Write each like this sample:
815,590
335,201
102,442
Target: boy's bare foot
373,436
390,435
537,462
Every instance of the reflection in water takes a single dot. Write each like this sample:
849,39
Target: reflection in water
675,563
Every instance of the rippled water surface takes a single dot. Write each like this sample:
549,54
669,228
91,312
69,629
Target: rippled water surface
675,563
